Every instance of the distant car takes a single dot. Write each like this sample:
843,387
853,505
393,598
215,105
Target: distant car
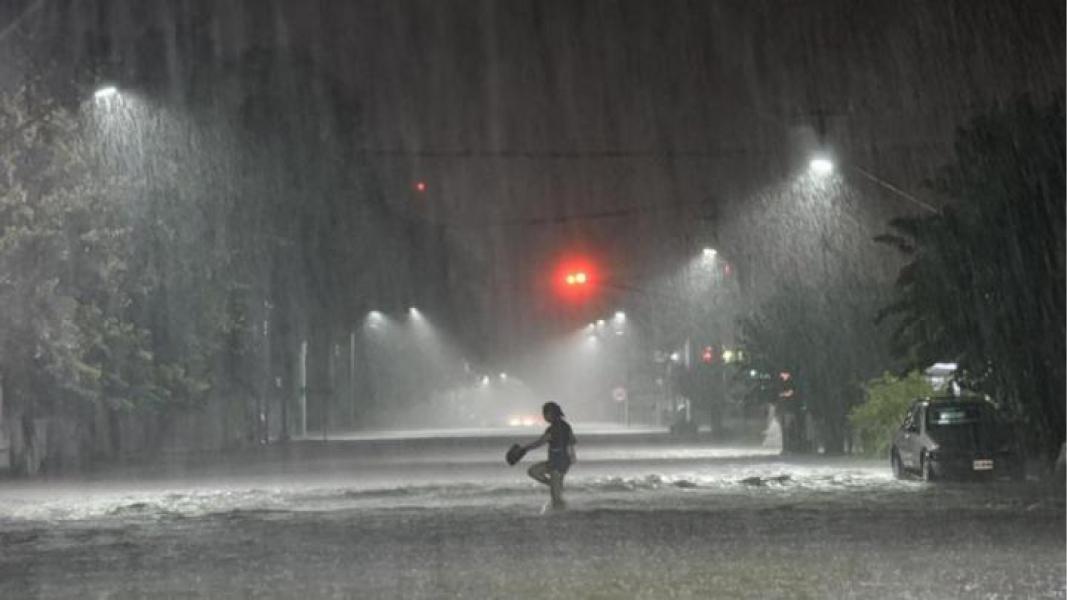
954,437
524,420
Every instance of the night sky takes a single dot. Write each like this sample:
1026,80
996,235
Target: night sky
520,111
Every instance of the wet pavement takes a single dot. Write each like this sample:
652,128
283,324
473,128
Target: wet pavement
436,516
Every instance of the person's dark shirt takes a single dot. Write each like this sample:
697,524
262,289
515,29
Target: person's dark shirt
560,436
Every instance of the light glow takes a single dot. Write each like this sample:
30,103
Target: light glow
105,92
821,165
575,279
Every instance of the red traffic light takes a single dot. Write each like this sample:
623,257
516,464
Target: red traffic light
708,355
420,186
576,278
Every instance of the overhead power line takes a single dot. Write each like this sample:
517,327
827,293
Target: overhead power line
611,154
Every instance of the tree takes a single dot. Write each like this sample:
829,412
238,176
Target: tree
69,341
826,340
984,285
886,400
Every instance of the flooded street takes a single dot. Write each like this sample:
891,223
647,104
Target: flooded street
286,286
648,516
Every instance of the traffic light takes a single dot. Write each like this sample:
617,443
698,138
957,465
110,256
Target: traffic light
576,278
708,355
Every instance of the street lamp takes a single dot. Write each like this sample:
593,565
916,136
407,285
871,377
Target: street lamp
375,319
105,92
821,166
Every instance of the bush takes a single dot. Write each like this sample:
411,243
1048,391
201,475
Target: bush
887,400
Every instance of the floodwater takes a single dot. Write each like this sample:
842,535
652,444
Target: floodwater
648,516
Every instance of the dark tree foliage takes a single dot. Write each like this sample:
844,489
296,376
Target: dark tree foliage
984,285
824,336
72,342
182,262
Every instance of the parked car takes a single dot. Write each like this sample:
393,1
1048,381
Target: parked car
962,437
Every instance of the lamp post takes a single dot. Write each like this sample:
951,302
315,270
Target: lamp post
621,328
105,92
821,165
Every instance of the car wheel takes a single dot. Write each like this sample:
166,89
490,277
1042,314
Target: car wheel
926,468
898,467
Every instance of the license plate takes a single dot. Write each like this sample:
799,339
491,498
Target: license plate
985,464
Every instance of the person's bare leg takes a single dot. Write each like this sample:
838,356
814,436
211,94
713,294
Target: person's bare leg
539,472
555,487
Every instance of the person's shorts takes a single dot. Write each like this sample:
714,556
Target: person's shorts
559,464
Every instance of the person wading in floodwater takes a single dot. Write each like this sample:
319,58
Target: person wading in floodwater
560,440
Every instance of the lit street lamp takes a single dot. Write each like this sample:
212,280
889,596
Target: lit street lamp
820,166
105,92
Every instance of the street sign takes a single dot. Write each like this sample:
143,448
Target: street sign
619,394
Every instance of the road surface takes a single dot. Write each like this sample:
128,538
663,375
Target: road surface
443,516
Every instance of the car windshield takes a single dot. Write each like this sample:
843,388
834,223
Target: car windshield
955,414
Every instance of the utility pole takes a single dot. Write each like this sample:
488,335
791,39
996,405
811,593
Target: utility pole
268,379
303,382
352,378
329,398
5,447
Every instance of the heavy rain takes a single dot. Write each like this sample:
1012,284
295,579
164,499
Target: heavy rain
532,299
